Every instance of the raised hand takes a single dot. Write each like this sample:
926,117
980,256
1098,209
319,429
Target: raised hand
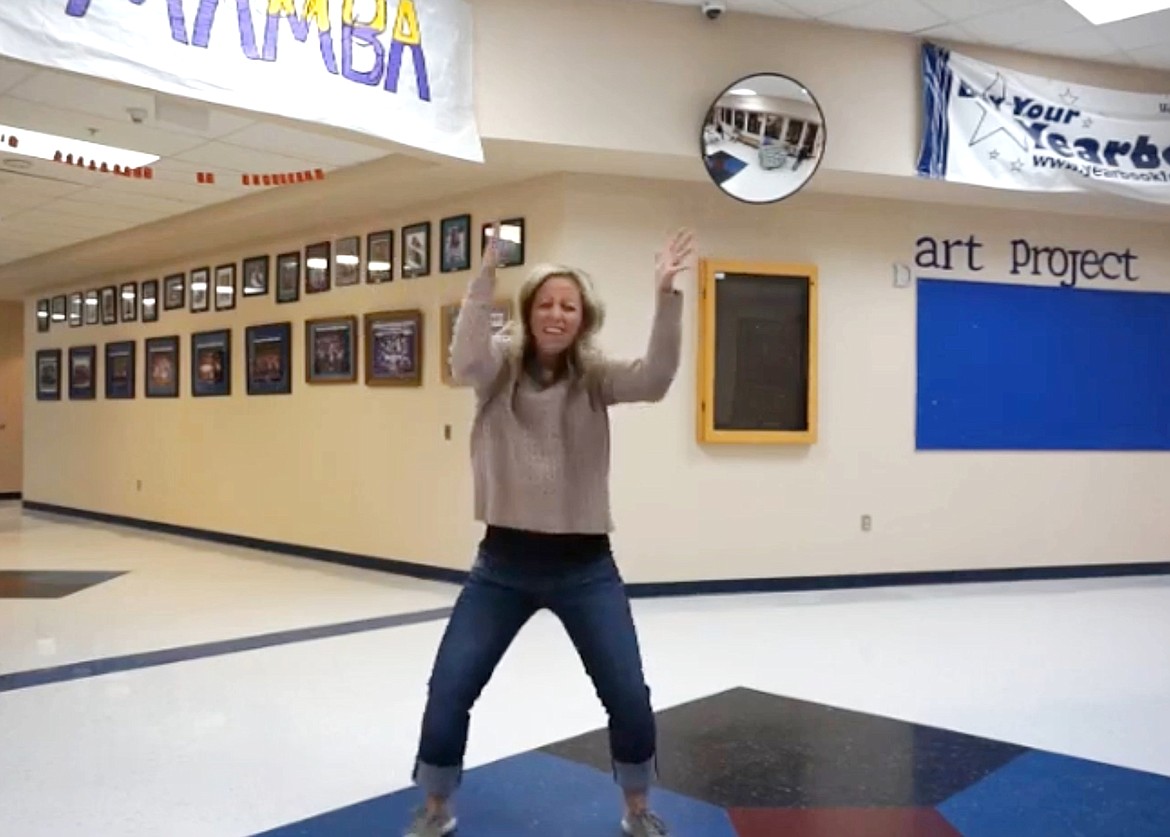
673,259
491,251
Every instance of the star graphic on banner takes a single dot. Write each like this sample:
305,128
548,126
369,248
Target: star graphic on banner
994,96
1088,122
993,154
1069,97
1017,165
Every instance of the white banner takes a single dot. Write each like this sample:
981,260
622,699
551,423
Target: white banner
395,69
991,126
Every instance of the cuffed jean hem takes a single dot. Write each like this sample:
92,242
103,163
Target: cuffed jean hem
437,781
635,778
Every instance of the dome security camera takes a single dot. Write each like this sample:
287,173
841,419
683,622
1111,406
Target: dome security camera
714,9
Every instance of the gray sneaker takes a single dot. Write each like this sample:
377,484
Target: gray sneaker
645,824
432,825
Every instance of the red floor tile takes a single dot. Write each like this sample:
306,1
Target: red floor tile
841,822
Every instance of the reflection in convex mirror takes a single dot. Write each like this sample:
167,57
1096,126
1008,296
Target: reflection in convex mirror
763,138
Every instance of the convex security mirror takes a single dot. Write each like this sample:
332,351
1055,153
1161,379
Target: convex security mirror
763,138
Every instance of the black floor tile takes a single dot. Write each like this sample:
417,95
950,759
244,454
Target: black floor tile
745,748
48,584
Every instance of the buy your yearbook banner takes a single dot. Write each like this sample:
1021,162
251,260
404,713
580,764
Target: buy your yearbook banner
990,126
395,69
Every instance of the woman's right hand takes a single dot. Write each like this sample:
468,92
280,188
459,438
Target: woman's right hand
491,251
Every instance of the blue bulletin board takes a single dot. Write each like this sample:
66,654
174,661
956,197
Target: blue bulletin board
1020,367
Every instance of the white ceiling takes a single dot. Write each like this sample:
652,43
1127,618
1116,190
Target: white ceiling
51,206
1047,27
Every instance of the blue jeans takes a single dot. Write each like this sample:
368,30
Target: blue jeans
503,592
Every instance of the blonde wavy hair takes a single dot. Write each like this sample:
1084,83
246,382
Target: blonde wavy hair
583,359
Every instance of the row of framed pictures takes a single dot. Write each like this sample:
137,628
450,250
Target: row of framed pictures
393,357
325,265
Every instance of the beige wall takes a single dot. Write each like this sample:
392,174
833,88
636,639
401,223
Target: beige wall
639,77
11,396
359,469
686,511
280,467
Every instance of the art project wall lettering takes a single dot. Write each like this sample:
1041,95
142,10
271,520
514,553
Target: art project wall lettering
1069,267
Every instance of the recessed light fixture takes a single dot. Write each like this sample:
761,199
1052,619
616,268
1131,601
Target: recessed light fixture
48,146
1108,11
17,163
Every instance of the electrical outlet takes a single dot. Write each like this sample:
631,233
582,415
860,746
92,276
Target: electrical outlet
447,432
866,523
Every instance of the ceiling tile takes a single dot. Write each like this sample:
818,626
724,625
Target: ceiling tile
22,113
13,72
1087,43
1140,32
1157,55
1029,21
950,32
896,15
773,8
304,145
236,158
958,10
821,8
106,100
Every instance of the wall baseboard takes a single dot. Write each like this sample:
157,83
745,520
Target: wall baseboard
640,589
10,495
332,556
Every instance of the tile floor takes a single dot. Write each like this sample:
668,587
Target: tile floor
173,687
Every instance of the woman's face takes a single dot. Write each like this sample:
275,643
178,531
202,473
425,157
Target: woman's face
556,315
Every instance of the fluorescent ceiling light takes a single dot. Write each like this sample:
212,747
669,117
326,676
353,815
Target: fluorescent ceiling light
1108,11
48,146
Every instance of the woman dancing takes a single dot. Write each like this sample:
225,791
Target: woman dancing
540,461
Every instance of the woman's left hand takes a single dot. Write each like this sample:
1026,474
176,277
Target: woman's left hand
673,259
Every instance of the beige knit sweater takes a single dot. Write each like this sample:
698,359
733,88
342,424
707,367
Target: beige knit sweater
540,455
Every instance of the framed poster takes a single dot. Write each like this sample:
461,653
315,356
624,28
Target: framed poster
225,287
349,261
501,314
59,314
269,358
175,291
416,250
120,374
331,346
455,244
288,277
75,309
380,257
200,289
109,305
162,366
92,308
48,375
150,301
394,341
256,276
211,363
82,377
128,300
511,239
318,270
42,315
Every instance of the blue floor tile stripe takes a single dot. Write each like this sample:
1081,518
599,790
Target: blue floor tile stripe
131,662
1042,793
